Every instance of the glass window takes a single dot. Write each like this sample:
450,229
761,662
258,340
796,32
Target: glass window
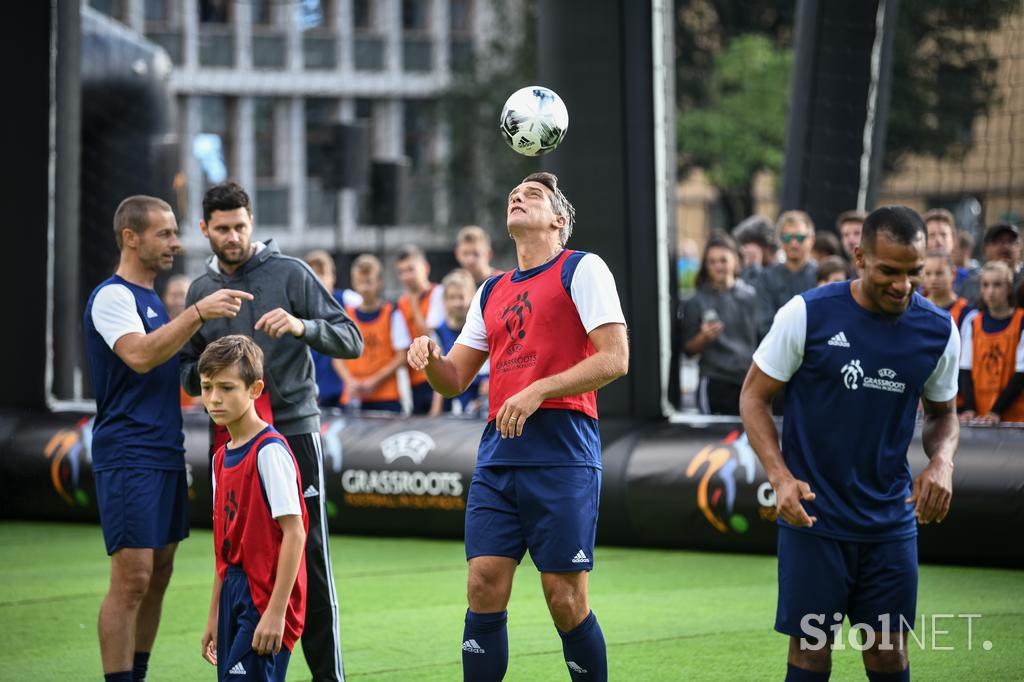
415,15
460,15
419,116
156,11
362,15
314,14
112,8
262,12
263,123
214,11
212,146
319,115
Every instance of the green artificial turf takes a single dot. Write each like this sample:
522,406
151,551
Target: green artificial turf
666,615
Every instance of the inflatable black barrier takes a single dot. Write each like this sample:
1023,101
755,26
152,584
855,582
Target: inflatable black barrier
664,484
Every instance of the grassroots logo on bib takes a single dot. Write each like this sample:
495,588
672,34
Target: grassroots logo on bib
852,373
517,315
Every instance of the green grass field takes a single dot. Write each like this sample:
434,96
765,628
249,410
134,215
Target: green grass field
666,615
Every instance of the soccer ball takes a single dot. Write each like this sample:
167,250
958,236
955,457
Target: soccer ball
534,120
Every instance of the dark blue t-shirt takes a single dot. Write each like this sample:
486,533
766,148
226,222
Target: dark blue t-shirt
138,416
854,379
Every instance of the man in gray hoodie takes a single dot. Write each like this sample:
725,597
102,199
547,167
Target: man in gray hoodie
291,312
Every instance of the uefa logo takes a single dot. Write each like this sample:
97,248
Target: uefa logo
415,445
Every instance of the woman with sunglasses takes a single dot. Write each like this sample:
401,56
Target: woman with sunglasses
718,325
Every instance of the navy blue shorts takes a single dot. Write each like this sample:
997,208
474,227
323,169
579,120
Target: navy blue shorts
142,508
552,511
237,619
872,583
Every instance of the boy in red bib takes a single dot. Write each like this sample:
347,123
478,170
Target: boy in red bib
259,524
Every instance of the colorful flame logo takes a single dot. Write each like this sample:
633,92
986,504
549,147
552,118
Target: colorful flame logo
720,474
67,450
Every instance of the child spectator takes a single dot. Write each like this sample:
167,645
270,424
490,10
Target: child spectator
832,269
826,245
992,352
473,253
258,606
458,293
939,275
331,387
718,324
371,378
422,306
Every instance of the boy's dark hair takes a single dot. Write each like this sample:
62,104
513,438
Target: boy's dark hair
830,266
757,230
227,196
826,243
133,214
233,350
853,216
902,224
410,251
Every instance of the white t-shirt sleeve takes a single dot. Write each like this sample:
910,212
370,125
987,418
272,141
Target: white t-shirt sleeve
593,291
400,338
351,299
474,332
943,384
114,313
277,471
782,350
967,341
435,311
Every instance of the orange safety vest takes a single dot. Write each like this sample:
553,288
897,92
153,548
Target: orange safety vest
994,357
957,309
377,352
416,376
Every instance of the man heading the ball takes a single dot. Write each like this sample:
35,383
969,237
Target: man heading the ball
555,333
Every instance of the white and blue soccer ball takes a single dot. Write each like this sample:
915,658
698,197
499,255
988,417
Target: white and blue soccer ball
534,120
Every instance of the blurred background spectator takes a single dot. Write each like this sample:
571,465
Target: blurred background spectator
992,352
718,325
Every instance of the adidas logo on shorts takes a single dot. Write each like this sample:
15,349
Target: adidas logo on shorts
575,667
237,669
580,558
472,647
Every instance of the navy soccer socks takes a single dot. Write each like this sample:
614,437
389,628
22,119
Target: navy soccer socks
585,653
140,665
795,674
125,676
485,647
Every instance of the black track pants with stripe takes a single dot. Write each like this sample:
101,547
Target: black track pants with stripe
320,643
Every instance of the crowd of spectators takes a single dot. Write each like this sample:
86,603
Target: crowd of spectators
745,277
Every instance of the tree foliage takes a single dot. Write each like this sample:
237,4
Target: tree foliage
742,127
942,77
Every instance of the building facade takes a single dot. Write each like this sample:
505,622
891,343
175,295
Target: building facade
258,84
